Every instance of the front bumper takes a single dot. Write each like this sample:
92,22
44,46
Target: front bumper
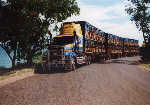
57,66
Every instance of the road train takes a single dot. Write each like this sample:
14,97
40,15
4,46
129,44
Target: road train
81,43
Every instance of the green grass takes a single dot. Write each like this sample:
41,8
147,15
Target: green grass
146,65
1,78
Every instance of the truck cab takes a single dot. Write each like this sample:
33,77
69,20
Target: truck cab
65,52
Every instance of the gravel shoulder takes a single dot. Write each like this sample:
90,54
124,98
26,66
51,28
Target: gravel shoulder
115,82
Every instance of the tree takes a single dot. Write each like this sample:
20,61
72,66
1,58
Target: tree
25,24
9,32
139,10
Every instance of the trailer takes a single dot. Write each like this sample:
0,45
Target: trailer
130,47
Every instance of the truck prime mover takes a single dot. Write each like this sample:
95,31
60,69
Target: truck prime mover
80,43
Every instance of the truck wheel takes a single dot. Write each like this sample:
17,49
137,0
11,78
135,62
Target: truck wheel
38,68
88,62
44,68
73,66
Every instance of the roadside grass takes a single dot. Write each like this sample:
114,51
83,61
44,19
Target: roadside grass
17,72
1,78
146,65
20,69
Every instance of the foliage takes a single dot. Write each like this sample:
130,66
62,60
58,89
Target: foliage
24,24
139,10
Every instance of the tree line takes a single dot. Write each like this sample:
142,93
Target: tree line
25,23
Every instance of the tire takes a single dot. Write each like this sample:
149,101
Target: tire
38,68
88,61
44,68
73,66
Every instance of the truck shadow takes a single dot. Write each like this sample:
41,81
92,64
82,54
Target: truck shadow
120,61
55,71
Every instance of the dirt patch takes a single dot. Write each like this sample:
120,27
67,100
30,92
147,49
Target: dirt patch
146,67
15,75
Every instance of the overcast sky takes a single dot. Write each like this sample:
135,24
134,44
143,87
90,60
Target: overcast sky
109,16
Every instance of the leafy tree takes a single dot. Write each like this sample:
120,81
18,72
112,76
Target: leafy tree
24,24
139,10
8,31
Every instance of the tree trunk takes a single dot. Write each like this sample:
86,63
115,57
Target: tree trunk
13,64
29,62
14,60
29,59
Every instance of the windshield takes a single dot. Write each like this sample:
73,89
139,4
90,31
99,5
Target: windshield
63,40
67,29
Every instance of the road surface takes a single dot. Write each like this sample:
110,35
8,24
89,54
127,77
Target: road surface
115,82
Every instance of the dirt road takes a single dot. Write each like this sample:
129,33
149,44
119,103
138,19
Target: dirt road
116,82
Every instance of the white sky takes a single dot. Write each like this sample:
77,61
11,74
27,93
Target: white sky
111,17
